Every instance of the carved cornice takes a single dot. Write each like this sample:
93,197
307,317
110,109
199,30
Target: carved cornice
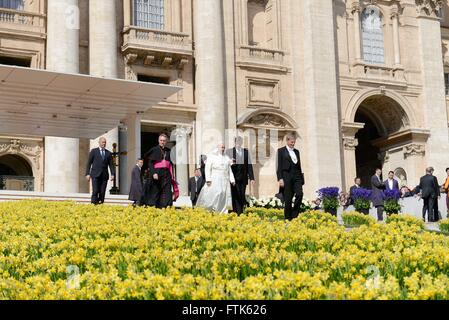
355,7
429,7
414,149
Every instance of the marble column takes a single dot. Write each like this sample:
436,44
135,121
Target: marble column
181,135
433,99
210,74
62,154
315,89
103,55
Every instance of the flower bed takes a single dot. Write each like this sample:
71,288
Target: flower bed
355,219
444,226
406,219
68,251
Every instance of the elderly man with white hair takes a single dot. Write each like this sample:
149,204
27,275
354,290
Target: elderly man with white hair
216,194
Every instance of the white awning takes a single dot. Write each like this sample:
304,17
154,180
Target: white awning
45,103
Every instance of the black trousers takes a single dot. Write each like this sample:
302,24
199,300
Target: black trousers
380,213
161,195
99,188
292,187
429,206
238,192
195,199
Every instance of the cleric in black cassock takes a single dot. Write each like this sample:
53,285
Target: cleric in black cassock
160,168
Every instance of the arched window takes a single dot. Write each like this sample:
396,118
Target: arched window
12,4
149,14
402,176
260,23
373,36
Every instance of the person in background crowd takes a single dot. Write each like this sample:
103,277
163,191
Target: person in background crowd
317,203
377,196
406,192
391,183
357,183
136,189
196,183
344,200
430,191
446,190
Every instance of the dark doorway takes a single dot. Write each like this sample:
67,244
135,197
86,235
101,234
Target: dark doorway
12,61
15,174
366,154
148,140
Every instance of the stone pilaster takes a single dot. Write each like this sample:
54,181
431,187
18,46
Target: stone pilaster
62,154
433,99
210,74
316,80
350,143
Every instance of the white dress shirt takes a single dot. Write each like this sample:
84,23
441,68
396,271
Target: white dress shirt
292,155
390,183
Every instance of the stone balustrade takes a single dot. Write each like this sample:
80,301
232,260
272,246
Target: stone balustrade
159,40
22,17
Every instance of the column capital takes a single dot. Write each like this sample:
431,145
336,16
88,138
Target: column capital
355,7
182,131
350,143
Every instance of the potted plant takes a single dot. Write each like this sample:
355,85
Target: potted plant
362,200
329,198
391,203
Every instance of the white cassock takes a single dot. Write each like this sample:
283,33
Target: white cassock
217,197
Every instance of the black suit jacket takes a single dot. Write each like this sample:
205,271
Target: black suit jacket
136,190
242,171
395,185
351,190
96,165
428,185
285,165
192,191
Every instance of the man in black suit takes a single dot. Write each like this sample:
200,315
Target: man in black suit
430,190
196,183
391,183
290,176
377,194
242,169
136,189
357,183
97,170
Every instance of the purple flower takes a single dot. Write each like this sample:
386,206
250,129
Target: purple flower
329,192
392,194
361,193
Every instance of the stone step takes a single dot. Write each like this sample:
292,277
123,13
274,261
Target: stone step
11,195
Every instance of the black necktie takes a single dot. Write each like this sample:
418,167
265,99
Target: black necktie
102,153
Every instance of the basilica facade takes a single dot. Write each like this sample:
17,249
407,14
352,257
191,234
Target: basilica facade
363,83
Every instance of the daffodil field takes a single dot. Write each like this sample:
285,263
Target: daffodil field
71,251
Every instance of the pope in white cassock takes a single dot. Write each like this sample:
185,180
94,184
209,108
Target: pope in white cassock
216,194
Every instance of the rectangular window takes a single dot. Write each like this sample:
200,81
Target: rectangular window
12,61
152,79
149,14
12,4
